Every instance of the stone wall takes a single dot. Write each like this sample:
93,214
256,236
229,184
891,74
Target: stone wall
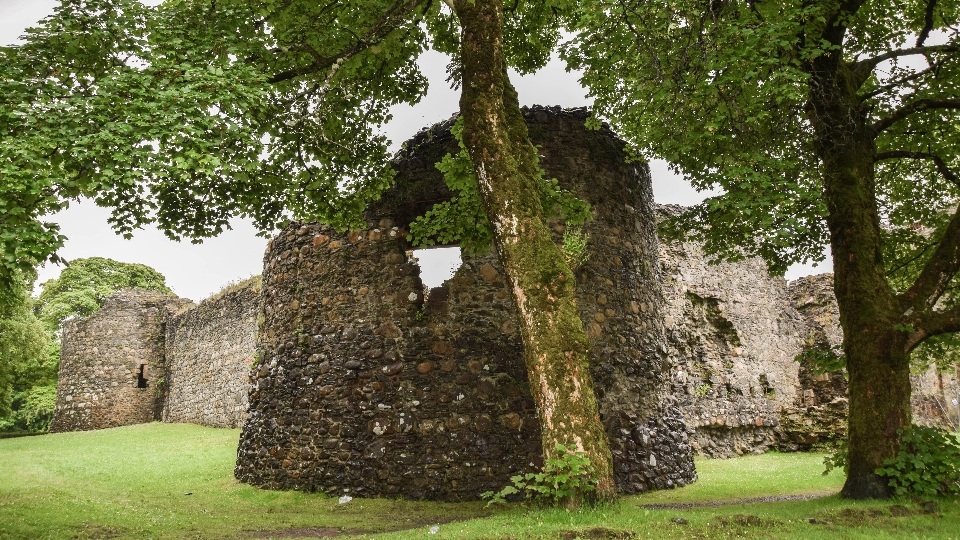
209,350
109,363
370,387
733,336
820,412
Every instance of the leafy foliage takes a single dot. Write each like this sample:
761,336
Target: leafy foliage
837,459
568,476
574,246
85,284
462,220
33,410
721,89
928,463
189,113
823,358
24,346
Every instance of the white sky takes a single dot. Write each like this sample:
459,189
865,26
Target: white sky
197,271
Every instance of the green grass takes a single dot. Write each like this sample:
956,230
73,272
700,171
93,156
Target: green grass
131,482
754,476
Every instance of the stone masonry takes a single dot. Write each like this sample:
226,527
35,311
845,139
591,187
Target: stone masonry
370,387
209,350
733,337
820,410
818,414
110,361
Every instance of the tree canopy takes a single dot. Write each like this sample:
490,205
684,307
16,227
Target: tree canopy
721,91
822,121
188,114
85,284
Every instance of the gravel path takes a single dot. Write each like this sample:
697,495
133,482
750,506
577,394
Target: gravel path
706,504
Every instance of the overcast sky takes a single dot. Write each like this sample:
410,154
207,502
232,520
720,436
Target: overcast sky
197,271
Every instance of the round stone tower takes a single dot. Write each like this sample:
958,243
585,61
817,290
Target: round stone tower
369,385
110,363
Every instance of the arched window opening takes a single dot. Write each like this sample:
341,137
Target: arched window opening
437,264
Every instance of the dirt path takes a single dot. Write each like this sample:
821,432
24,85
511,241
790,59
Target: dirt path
755,500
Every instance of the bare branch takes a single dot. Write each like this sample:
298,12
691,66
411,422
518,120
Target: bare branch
912,108
314,67
910,260
899,82
937,160
927,22
943,265
867,64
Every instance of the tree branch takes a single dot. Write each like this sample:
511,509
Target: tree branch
380,29
943,265
868,64
931,324
937,160
911,108
920,253
899,82
927,23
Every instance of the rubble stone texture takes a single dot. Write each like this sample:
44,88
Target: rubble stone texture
110,361
818,414
366,387
209,350
821,407
733,336
936,397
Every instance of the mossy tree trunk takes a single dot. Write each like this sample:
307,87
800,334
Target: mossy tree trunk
557,349
880,327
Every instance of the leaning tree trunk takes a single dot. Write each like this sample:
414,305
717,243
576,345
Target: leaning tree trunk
557,350
877,359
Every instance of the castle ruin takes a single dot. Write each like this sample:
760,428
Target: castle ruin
357,380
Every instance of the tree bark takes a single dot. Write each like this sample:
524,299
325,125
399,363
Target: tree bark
876,352
557,349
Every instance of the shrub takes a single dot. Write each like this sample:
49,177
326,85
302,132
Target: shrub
928,463
565,477
574,248
836,460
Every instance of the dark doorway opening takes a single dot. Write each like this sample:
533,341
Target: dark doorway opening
141,377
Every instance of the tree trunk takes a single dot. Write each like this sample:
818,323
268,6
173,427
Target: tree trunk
879,372
877,360
557,349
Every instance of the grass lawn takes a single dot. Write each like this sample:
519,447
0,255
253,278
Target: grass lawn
131,482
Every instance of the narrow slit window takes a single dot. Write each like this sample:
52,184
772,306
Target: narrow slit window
142,376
